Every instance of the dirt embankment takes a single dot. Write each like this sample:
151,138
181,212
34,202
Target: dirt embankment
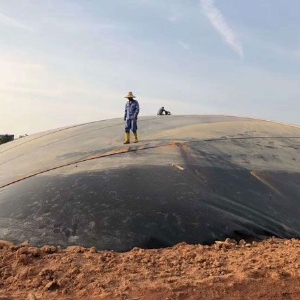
225,270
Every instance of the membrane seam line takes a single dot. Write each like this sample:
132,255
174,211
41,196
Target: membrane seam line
135,150
205,140
265,182
83,160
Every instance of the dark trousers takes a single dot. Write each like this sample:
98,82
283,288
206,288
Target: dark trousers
131,124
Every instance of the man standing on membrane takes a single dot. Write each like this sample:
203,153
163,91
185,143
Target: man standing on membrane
132,110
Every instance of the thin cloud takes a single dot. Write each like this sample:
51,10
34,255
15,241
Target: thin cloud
183,45
13,23
218,21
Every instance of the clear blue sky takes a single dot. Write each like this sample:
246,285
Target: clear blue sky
66,62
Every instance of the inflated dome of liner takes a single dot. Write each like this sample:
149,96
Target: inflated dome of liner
193,179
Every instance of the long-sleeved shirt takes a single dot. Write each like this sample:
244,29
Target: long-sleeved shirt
132,109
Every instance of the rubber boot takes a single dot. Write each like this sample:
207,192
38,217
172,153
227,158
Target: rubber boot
127,138
135,137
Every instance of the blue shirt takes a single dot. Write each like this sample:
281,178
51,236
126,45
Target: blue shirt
132,109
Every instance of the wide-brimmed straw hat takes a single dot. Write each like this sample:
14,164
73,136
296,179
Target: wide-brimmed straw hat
130,95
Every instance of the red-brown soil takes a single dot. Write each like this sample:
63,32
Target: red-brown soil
225,270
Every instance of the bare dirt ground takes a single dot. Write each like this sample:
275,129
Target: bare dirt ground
225,270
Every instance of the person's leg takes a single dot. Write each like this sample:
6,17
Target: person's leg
127,131
134,130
